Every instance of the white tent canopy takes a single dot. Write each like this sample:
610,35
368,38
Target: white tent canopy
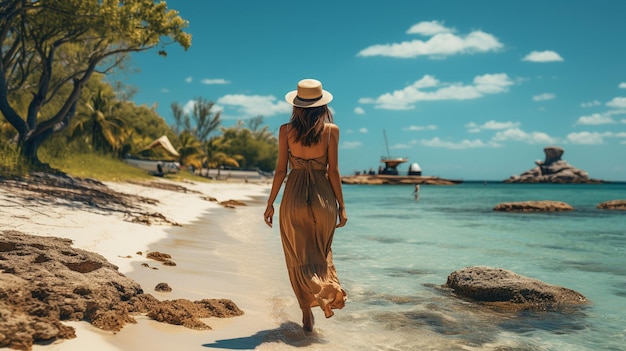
165,143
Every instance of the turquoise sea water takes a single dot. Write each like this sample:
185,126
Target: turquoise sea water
396,251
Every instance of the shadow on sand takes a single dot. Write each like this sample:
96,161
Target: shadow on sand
288,333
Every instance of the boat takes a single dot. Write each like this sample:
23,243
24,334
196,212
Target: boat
389,174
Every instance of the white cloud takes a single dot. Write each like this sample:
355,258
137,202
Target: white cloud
254,105
165,90
359,111
622,85
188,107
490,125
441,43
591,103
493,125
420,128
428,88
429,28
595,119
586,138
618,102
516,134
400,146
363,130
544,97
543,56
464,144
351,145
214,81
188,80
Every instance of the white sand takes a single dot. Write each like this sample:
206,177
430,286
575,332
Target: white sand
220,253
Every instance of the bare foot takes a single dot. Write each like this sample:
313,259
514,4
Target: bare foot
308,321
328,312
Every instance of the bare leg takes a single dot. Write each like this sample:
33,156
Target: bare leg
307,319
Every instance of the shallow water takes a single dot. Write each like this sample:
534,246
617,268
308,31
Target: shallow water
396,252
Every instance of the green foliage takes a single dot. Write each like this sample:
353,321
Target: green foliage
258,148
101,128
101,167
190,150
11,162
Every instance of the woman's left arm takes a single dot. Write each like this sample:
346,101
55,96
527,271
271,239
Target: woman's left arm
333,172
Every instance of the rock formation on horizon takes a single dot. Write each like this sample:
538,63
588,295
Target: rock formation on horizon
552,170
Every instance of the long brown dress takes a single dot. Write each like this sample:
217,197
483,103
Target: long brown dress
308,216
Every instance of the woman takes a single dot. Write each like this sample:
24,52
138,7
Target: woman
312,205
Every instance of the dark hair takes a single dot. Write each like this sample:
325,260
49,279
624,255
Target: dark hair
308,123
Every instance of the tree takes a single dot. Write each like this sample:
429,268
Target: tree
51,48
104,129
216,158
190,150
258,147
204,120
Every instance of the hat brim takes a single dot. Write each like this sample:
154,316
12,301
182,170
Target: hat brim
292,99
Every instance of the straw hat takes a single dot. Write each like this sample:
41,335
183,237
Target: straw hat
309,94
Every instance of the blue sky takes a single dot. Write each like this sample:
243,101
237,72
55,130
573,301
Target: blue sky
467,89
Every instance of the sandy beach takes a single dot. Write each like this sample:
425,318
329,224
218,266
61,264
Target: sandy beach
216,257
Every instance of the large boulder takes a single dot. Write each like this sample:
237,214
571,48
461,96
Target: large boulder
533,206
505,289
552,170
619,205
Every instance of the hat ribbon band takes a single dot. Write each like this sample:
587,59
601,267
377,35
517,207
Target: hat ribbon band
310,100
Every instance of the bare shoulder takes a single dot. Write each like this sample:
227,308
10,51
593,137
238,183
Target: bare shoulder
332,127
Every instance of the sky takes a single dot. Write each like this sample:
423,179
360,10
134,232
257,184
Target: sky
470,90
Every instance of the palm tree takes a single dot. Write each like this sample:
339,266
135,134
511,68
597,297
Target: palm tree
99,125
190,151
215,158
260,133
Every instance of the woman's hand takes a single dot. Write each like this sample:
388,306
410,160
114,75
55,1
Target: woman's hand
268,216
343,218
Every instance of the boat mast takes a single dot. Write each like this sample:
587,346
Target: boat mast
386,144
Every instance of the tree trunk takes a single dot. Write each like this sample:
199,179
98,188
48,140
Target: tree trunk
29,148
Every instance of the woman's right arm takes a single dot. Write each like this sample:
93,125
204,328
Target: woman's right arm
279,174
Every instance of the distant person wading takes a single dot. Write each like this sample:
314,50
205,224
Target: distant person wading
312,205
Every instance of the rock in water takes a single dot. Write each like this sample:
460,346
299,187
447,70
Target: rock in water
619,205
534,206
508,290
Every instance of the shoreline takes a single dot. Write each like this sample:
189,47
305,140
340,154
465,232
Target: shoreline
207,249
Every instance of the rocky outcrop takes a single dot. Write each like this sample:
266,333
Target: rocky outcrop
43,281
552,170
504,289
533,206
613,205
